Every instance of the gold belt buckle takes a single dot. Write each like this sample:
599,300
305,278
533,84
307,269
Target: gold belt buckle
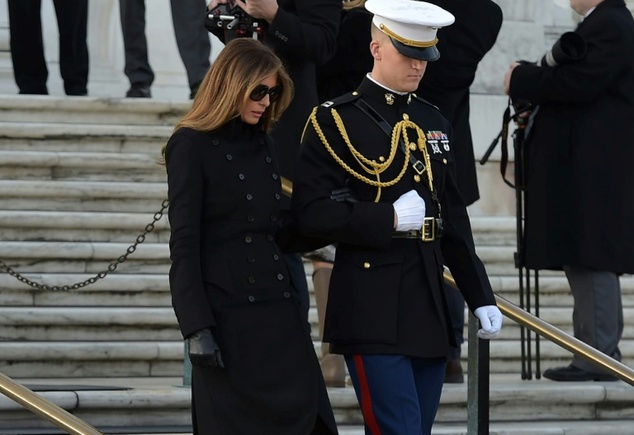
428,230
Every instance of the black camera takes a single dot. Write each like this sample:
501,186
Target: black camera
234,22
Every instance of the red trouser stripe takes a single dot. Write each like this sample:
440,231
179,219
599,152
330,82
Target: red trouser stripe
366,401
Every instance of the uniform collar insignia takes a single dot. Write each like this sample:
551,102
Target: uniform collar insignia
389,98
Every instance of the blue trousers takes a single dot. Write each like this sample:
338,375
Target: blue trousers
398,395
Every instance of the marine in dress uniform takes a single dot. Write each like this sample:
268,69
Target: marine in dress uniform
376,175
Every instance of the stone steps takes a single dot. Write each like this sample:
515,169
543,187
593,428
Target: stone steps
143,403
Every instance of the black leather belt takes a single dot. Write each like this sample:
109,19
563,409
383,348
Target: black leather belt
430,231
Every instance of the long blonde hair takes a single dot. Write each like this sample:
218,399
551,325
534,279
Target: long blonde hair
241,65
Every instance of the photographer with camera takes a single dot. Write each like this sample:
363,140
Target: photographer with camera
303,34
580,183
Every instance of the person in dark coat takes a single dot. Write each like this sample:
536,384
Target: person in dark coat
376,175
446,85
27,45
580,185
303,33
254,366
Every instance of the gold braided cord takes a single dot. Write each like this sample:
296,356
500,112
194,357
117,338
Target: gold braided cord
375,183
410,42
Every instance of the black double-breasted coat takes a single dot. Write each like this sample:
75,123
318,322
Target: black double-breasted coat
228,274
386,294
580,150
446,82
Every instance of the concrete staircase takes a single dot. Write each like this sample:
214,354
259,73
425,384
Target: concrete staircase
79,182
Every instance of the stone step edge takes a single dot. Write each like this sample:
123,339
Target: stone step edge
48,131
82,189
68,159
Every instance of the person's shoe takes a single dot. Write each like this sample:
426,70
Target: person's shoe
138,91
453,372
574,374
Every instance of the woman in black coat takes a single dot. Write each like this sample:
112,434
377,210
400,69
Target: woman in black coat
254,366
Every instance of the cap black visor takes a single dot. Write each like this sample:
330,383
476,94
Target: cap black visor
429,54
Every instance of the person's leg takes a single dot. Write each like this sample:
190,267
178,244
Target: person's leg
386,389
428,377
27,47
137,67
455,303
597,320
332,365
192,39
72,20
598,311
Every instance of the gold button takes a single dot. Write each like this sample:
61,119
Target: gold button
355,93
381,158
405,116
444,161
417,178
412,146
366,265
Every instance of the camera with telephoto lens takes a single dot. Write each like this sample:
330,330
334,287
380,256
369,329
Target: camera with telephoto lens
235,22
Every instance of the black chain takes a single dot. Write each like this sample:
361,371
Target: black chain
111,267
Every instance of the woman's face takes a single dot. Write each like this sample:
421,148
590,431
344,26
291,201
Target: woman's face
253,110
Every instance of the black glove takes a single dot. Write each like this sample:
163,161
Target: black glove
203,350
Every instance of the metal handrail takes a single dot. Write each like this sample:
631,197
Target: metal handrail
44,408
559,337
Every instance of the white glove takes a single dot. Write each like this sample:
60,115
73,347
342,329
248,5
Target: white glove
490,319
410,211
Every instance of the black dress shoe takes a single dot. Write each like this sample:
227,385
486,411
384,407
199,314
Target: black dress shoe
137,91
574,374
453,372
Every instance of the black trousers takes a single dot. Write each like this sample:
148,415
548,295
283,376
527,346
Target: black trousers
27,46
192,39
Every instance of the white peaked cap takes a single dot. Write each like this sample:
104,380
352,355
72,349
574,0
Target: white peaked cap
411,25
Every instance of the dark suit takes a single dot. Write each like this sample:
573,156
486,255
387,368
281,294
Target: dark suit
446,82
228,274
579,206
27,46
386,294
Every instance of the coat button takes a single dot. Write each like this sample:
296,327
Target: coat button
275,176
249,197
241,176
276,257
277,196
251,259
248,239
366,265
251,280
215,142
286,295
250,218
229,157
268,159
269,237
280,277
251,299
273,218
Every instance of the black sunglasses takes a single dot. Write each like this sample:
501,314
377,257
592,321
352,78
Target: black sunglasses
261,91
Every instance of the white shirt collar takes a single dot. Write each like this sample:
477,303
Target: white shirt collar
385,87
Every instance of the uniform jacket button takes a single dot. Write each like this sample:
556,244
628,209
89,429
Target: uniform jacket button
215,142
276,257
251,280
248,239
251,259
241,176
229,157
286,295
268,159
251,299
269,237
250,218
280,277
277,196
366,265
275,176
249,197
